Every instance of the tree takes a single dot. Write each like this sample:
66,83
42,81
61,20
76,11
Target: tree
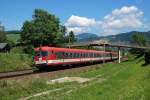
3,37
43,29
140,40
147,56
71,37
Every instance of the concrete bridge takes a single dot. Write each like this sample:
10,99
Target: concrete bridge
104,45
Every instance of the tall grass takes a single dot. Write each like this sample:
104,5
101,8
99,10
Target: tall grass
126,81
15,60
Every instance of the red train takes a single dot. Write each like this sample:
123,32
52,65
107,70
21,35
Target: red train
50,56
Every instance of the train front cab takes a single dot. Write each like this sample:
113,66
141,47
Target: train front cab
41,57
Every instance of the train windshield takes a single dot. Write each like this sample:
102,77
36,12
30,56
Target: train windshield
41,53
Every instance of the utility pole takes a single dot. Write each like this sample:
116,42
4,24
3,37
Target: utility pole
69,41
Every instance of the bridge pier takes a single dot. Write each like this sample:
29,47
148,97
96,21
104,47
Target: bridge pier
104,49
119,55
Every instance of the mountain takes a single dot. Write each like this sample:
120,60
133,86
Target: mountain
125,37
122,37
83,37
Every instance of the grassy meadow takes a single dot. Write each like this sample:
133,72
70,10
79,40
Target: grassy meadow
15,60
128,80
13,37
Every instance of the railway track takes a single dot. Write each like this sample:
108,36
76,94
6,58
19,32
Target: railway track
31,72
28,72
11,74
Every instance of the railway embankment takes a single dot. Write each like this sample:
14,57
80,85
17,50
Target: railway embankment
128,80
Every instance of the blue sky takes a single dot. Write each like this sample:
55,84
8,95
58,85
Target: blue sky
81,15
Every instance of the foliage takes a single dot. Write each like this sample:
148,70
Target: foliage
147,56
139,39
43,29
71,37
3,37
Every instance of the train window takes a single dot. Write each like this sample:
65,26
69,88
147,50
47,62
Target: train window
71,55
37,54
107,55
99,55
94,54
74,55
41,53
78,55
63,54
59,55
66,55
44,53
89,55
84,55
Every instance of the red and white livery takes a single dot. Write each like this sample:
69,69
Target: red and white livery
50,56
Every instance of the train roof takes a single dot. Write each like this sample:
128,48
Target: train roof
46,48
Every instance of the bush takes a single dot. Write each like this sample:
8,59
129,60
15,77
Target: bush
15,61
147,56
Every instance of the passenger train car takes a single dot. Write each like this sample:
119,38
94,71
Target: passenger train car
50,56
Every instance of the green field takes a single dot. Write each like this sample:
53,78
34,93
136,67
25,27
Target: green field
13,37
15,60
126,81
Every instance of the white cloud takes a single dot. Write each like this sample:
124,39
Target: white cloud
77,21
77,29
79,24
121,19
126,18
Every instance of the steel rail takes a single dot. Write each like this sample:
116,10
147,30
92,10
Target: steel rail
10,74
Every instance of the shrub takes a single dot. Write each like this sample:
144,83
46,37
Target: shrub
147,56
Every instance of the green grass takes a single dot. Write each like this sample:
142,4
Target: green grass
126,81
15,60
13,37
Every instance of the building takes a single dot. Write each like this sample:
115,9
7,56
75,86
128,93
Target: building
4,47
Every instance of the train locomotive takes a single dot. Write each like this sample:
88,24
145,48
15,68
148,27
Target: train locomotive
51,56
